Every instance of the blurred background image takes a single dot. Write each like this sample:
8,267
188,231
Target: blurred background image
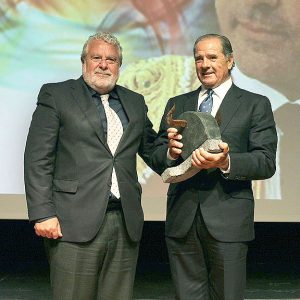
41,42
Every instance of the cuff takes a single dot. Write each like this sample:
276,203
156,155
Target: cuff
227,171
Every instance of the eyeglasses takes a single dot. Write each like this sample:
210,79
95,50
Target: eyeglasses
108,60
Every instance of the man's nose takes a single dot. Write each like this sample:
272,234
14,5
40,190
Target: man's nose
205,63
102,63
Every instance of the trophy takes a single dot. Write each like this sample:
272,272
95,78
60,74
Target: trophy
198,130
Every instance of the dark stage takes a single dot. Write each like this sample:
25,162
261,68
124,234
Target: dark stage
273,263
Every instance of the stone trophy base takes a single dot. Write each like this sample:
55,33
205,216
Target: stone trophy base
201,131
186,170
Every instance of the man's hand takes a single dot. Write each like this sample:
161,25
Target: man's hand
49,228
174,145
204,160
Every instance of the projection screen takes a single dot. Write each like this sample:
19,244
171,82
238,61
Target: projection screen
41,42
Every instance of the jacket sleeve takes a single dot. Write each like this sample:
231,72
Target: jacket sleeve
39,157
258,162
149,135
159,156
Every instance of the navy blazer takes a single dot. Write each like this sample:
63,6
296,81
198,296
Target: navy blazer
227,204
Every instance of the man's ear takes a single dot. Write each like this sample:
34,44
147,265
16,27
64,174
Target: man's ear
230,61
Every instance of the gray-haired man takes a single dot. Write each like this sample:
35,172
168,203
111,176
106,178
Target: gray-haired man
82,194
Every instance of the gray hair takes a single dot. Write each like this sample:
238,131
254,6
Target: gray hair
102,36
226,45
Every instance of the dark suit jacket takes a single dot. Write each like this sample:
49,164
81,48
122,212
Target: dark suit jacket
68,163
227,204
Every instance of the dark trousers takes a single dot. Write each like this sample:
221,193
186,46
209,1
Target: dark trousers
204,268
103,269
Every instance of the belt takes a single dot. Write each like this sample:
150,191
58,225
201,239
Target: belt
114,203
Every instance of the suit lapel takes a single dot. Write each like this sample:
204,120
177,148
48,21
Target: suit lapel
83,99
190,104
229,106
129,110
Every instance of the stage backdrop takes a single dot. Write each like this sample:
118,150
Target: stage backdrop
41,42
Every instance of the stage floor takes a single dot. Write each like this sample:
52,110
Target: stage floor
273,263
31,282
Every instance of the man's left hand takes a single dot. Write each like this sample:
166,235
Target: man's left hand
204,160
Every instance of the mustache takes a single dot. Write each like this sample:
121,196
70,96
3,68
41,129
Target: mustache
262,16
101,72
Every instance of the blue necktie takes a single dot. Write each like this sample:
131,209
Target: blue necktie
207,103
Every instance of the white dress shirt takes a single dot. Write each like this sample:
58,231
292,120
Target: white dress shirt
218,95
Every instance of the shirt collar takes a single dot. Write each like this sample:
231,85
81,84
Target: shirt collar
220,90
113,93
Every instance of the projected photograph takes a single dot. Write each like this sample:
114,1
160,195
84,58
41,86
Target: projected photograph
41,42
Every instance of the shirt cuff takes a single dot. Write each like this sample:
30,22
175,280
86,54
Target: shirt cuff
227,171
44,219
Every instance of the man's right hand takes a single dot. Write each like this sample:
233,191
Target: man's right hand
174,145
49,228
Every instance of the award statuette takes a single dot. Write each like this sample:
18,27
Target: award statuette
198,130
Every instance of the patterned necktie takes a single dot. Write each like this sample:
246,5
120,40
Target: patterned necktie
114,134
207,103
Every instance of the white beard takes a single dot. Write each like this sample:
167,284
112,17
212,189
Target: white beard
100,84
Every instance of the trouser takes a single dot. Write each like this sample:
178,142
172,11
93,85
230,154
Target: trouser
204,268
102,269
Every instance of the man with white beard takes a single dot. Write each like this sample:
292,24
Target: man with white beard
81,182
